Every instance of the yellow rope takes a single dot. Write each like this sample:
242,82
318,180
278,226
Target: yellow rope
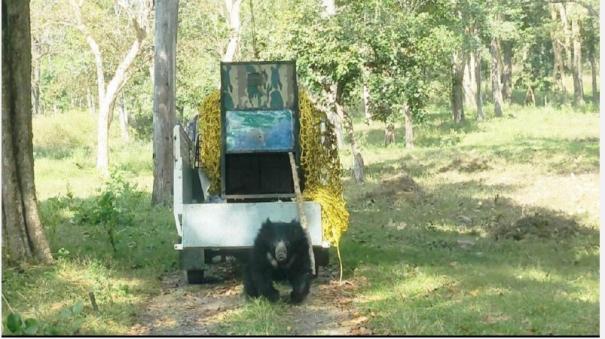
319,161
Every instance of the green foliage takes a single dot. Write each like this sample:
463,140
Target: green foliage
108,209
69,320
18,326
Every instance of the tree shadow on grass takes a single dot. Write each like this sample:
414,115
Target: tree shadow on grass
465,250
55,153
436,130
579,155
556,155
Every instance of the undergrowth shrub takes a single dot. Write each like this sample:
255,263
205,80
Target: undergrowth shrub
110,209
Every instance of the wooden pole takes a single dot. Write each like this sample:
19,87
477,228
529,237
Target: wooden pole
301,211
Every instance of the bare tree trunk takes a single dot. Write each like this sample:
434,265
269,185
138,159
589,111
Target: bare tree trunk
36,88
358,166
593,72
409,130
106,104
559,66
90,101
530,98
578,89
591,27
507,70
25,237
469,80
333,115
389,134
329,7
566,33
457,95
164,101
366,103
496,88
123,116
234,22
109,93
478,99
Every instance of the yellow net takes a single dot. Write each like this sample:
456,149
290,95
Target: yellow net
209,128
319,161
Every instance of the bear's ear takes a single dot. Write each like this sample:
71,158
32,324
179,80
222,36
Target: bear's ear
294,221
268,221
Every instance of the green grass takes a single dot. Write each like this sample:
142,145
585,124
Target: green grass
443,271
428,243
68,185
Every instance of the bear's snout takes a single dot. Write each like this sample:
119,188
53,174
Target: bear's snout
281,253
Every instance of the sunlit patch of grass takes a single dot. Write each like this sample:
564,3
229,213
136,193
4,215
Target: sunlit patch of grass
68,185
45,293
256,317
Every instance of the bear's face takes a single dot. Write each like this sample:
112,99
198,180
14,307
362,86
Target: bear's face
283,238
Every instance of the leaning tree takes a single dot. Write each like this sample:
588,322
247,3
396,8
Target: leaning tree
24,239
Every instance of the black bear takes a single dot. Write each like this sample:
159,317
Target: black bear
280,252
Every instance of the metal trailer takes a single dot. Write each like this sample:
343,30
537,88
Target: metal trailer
260,126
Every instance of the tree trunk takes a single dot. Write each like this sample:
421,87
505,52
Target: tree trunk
234,22
36,88
469,81
578,89
333,115
389,134
559,64
106,104
457,95
109,93
530,98
123,116
366,103
25,237
593,72
409,130
496,88
507,70
358,166
329,7
90,101
478,99
566,33
164,101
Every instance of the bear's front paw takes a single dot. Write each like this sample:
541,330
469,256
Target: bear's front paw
297,298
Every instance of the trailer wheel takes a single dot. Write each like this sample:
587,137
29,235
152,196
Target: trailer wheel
195,276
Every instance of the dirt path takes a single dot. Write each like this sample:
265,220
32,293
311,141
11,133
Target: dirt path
182,309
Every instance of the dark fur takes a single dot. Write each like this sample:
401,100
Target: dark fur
296,268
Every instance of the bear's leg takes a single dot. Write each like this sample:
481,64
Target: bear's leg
264,284
249,286
301,282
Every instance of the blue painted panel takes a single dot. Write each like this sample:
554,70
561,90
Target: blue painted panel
259,131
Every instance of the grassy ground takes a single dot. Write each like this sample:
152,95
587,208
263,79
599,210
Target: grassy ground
483,228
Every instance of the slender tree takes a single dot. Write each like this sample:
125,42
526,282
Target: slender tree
233,8
108,92
576,72
495,73
24,239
